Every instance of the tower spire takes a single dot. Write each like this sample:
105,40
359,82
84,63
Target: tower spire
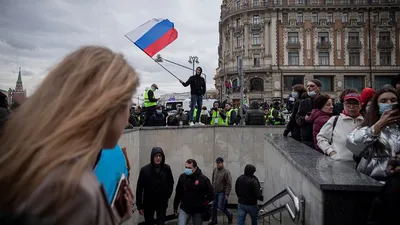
19,76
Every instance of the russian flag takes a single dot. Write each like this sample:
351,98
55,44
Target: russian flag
153,36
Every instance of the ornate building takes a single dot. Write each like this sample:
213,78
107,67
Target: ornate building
287,42
18,94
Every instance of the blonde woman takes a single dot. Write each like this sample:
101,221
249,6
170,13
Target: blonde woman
51,145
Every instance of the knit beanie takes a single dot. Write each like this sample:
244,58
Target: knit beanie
316,82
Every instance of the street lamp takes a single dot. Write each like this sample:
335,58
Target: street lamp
193,60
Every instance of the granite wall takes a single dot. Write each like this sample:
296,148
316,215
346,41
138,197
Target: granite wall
237,145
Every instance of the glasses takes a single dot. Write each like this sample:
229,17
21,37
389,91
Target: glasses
353,104
186,167
311,85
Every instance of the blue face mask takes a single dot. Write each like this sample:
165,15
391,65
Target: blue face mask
383,107
294,94
188,172
159,111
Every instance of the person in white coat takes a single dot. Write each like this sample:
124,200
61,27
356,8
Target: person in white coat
332,136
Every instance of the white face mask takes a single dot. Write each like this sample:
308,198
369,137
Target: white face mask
312,93
294,94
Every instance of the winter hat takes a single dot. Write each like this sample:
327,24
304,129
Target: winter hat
366,95
316,82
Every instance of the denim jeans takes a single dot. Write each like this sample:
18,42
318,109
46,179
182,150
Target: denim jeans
220,203
243,210
183,218
195,100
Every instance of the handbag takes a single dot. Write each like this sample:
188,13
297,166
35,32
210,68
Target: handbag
374,163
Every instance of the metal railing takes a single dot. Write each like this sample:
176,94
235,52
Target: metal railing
296,213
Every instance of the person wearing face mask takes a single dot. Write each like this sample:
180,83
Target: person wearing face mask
292,127
150,103
331,139
377,139
193,193
305,107
159,117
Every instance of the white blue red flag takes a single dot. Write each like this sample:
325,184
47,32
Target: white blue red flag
153,36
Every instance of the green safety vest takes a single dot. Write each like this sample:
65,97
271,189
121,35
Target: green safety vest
147,103
228,117
273,122
194,114
214,116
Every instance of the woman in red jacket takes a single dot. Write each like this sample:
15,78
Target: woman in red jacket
323,110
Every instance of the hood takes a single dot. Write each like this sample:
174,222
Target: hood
197,173
201,70
315,113
249,170
254,105
154,151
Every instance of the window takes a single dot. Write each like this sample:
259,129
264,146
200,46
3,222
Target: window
293,58
299,17
354,58
290,81
354,37
376,17
323,37
329,17
343,2
293,37
256,60
256,19
256,3
235,86
356,82
299,2
285,18
238,42
238,4
238,58
323,58
238,22
344,17
256,39
327,82
381,81
314,18
384,36
385,58
329,2
361,17
256,84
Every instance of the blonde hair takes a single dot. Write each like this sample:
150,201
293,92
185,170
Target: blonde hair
67,118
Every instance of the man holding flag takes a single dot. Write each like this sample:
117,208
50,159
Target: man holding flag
197,91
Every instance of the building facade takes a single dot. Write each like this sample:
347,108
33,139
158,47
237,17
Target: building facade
344,43
17,95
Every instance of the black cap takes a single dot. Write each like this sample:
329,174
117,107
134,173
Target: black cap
219,159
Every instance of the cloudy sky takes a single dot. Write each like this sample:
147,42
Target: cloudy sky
36,34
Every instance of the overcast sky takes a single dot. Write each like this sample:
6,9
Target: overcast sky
36,34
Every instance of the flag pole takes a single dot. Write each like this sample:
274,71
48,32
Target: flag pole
154,59
165,68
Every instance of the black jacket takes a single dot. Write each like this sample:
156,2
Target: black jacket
150,94
305,106
197,85
292,126
193,192
154,187
255,117
247,187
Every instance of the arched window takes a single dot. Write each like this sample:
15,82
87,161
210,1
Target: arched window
235,85
256,84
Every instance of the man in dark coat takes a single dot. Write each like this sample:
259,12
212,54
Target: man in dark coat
193,193
154,188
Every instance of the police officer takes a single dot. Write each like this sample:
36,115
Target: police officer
150,102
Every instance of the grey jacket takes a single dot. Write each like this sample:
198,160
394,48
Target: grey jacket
87,207
222,181
374,150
